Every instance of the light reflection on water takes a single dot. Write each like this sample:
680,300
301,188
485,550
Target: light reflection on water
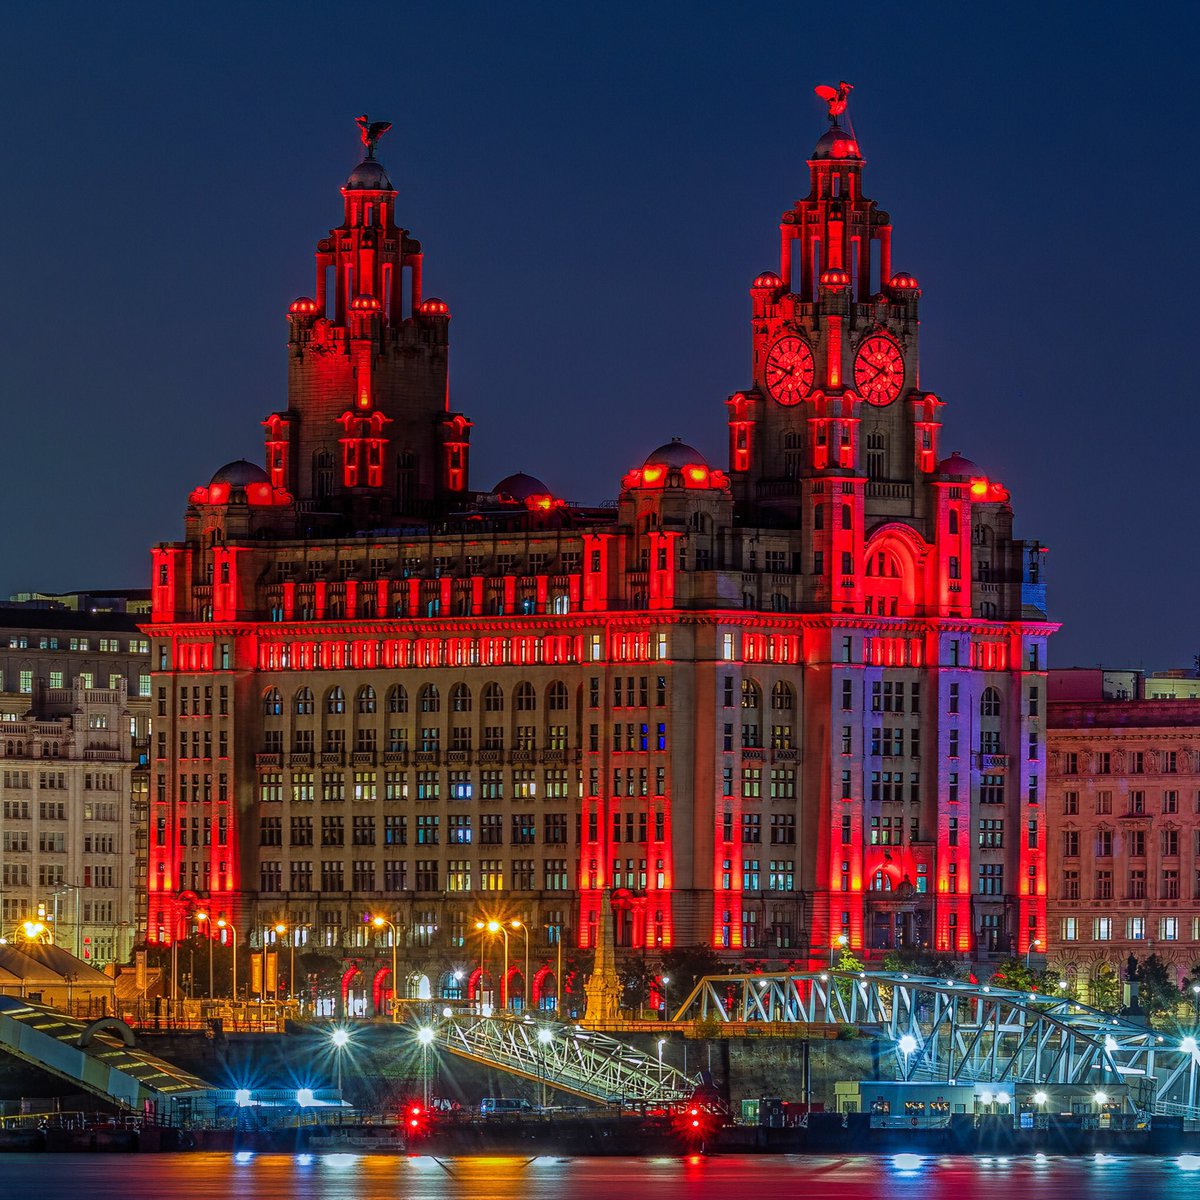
502,1177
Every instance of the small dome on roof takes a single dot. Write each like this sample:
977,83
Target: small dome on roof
957,465
369,176
365,303
676,454
837,143
240,473
303,306
433,306
902,281
520,487
768,279
836,278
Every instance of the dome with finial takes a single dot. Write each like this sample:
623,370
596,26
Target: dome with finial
369,176
837,143
675,454
519,487
958,466
240,473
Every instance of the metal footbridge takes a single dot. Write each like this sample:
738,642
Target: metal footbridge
943,1029
566,1057
101,1057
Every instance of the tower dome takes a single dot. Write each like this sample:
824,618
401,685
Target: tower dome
956,464
369,176
837,143
519,487
675,453
240,473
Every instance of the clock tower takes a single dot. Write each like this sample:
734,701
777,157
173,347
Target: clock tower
836,386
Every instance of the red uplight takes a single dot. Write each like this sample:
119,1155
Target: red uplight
979,488
768,279
365,303
902,281
303,306
653,474
433,307
835,277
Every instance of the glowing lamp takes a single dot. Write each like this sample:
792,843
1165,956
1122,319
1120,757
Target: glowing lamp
1040,1097
258,493
1101,1097
433,307
696,475
845,148
339,1037
979,488
653,474
907,1044
218,493
424,1035
768,279
365,303
835,278
304,1097
545,1037
1188,1045
302,306
902,281
242,1097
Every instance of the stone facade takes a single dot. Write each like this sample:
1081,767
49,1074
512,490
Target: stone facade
765,706
74,732
1124,835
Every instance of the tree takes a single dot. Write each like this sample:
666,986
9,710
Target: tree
1157,992
1105,989
685,966
919,960
1013,973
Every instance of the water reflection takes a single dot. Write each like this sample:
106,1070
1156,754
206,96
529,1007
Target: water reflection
500,1177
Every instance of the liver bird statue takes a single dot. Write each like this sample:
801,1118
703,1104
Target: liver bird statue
835,97
371,131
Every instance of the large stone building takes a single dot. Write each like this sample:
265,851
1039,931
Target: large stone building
1124,830
74,732
767,706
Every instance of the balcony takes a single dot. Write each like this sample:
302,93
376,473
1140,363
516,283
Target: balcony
753,754
394,758
789,755
523,756
554,756
427,758
301,758
457,756
268,760
992,764
333,758
362,758
491,756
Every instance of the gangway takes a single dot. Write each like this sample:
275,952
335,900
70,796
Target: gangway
566,1057
945,1029
100,1056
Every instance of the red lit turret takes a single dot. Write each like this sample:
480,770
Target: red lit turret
902,281
433,307
769,280
365,303
302,306
835,278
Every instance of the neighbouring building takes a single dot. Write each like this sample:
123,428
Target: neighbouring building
765,705
74,732
1124,822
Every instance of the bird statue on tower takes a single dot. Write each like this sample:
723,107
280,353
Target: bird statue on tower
835,97
371,132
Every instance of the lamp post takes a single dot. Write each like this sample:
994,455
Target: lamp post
1196,1003
425,1037
527,991
280,930
203,916
224,924
379,923
839,943
544,1038
666,979
1033,945
493,927
340,1039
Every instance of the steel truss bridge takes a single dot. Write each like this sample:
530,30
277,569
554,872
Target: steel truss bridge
568,1058
942,1029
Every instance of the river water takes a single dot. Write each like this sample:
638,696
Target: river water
729,1177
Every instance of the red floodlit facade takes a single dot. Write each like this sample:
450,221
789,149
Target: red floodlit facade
763,706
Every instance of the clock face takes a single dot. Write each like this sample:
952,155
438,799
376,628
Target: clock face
879,370
790,370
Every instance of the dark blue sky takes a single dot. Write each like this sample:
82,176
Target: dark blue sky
595,188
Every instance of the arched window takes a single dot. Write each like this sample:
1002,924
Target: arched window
365,700
493,697
305,706
751,694
989,703
272,703
524,698
460,698
556,696
782,697
431,700
335,701
397,699
560,605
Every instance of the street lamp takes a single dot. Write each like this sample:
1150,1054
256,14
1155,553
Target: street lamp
340,1039
224,924
1033,945
1196,1003
494,927
527,990
839,943
280,930
379,923
425,1037
666,979
544,1038
203,916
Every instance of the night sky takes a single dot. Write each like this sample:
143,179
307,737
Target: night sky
595,188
